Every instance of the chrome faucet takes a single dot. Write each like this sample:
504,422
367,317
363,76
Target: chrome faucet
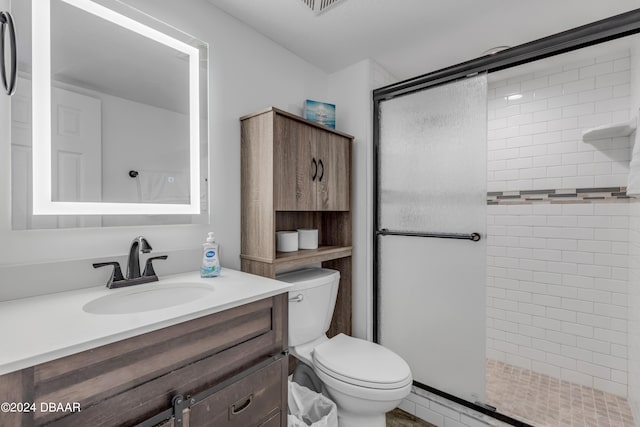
138,245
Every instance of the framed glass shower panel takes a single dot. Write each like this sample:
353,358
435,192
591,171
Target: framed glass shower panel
432,158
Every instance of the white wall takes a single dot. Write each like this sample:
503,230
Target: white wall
248,72
350,89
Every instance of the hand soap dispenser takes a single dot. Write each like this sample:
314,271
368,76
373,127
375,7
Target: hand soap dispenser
210,258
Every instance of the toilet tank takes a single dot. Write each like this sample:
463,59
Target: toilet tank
311,302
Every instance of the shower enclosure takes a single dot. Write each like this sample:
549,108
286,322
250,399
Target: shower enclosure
505,250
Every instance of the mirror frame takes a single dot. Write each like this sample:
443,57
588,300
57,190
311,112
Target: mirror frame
41,72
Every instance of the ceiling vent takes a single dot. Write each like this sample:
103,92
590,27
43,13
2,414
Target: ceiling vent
321,6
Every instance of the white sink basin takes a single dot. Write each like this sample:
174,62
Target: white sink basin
153,296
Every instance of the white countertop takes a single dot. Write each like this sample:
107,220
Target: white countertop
43,328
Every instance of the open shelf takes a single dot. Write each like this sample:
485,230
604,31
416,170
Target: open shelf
286,260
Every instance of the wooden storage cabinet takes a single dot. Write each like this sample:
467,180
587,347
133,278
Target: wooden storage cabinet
311,167
130,381
296,174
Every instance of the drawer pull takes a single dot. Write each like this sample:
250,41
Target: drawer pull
241,405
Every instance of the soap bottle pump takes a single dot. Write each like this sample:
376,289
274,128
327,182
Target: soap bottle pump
210,258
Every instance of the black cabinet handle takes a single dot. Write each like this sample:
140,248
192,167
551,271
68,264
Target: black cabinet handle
6,21
315,169
241,405
322,172
148,268
117,272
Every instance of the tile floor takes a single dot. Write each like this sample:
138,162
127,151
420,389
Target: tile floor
542,400
399,418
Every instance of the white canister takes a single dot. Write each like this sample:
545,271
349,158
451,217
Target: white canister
286,241
308,238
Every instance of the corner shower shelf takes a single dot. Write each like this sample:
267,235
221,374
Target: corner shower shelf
613,130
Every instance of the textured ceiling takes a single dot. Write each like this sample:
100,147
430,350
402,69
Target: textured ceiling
412,37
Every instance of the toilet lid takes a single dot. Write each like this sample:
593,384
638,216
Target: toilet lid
361,363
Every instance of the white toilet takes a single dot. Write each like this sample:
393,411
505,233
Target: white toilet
364,379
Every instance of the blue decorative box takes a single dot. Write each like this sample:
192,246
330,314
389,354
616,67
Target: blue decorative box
320,112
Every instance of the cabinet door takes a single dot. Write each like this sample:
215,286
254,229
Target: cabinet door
334,176
294,166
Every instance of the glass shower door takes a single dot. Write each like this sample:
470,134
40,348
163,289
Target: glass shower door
431,272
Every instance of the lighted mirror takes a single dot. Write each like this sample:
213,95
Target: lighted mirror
109,121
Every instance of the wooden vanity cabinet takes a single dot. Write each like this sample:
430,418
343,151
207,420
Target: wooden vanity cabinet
296,174
238,351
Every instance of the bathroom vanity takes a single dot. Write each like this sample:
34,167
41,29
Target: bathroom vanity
217,360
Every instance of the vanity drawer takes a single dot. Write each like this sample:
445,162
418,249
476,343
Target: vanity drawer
255,400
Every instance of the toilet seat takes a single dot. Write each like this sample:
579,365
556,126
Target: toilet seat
361,363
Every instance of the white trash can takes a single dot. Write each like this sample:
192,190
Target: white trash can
310,409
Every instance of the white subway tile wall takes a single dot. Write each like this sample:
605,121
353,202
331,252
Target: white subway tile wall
535,141
557,291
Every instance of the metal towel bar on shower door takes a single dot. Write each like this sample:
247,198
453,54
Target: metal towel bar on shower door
475,237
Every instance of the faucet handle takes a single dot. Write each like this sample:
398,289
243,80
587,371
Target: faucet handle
116,275
144,245
148,268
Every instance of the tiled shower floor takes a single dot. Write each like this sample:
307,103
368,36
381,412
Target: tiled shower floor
542,400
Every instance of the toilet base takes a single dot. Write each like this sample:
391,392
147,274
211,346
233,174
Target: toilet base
362,412
358,420
361,406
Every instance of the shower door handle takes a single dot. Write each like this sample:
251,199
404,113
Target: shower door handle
474,237
6,22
